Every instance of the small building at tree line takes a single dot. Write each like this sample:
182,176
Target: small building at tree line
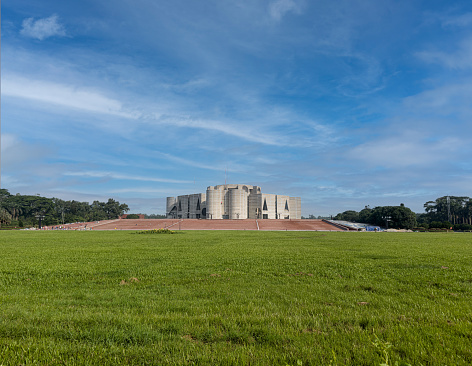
233,201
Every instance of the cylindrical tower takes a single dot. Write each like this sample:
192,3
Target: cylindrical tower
214,203
238,198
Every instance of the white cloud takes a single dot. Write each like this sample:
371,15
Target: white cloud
235,130
42,28
195,164
460,59
16,151
8,141
462,20
448,99
111,175
146,190
401,152
93,101
279,8
189,86
67,96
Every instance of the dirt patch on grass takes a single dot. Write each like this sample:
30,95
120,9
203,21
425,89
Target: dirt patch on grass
131,280
189,338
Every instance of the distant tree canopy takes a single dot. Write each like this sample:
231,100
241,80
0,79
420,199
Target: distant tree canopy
454,209
132,216
155,216
313,217
444,212
350,215
399,217
5,217
26,208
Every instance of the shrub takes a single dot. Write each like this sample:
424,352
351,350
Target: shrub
462,227
132,216
156,231
420,229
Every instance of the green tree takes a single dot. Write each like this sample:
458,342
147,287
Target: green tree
132,216
5,217
114,209
422,220
456,209
155,216
59,208
399,217
436,224
464,227
364,215
350,215
57,211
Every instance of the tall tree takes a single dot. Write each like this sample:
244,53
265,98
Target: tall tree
399,217
5,217
114,209
55,210
350,215
364,214
456,209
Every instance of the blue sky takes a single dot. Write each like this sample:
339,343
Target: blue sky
345,104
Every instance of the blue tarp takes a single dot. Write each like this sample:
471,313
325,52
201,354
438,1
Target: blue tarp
372,228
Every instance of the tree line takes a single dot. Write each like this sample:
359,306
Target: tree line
444,212
24,210
454,209
399,217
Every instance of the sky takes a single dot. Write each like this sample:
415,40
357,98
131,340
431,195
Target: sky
343,103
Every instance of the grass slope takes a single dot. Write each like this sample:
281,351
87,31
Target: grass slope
235,297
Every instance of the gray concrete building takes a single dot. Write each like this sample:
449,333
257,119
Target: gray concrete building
233,201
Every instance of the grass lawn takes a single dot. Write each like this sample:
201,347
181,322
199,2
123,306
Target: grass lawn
235,298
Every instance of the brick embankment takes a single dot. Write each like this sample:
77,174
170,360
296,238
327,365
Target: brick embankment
190,224
193,224
137,224
297,225
79,225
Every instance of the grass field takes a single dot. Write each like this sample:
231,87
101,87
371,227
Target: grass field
235,298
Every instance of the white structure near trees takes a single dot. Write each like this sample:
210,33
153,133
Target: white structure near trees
233,201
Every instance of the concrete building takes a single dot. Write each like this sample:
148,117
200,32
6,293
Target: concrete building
233,201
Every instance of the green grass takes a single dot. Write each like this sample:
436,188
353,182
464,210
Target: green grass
235,298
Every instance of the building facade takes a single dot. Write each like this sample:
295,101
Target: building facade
233,201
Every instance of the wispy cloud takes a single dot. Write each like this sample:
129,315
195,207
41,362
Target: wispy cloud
112,175
161,191
460,58
279,8
188,86
453,98
42,28
404,152
16,152
68,96
216,167
247,133
463,20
